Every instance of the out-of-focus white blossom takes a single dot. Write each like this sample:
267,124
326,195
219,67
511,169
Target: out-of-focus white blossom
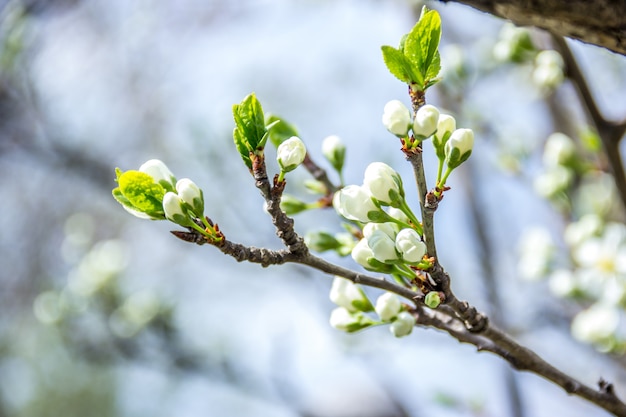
588,226
548,72
536,249
559,150
553,181
334,150
562,283
597,324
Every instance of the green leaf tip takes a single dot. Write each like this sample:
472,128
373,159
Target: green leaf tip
417,60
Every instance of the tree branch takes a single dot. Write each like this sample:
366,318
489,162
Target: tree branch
610,133
598,22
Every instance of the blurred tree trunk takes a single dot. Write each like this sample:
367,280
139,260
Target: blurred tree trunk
598,22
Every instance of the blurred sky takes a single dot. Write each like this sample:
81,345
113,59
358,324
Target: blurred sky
113,83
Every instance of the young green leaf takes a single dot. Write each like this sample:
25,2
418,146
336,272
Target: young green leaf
250,121
250,132
280,130
400,66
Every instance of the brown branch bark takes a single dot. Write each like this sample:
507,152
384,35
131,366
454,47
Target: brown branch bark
598,22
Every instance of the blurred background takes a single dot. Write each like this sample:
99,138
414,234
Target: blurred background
104,314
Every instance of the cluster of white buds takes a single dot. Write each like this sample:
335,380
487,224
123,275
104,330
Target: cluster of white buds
354,310
452,146
397,119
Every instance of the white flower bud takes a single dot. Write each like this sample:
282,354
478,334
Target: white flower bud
410,245
348,295
403,324
559,149
334,150
290,154
398,214
388,306
160,172
459,147
189,192
174,209
383,183
362,252
390,229
354,202
397,118
341,319
383,247
425,123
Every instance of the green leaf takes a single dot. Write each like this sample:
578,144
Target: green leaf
422,43
400,66
250,122
243,147
137,191
280,130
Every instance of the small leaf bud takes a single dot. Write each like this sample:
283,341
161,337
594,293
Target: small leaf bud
432,299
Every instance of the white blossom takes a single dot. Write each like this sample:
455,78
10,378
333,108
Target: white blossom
425,123
403,324
159,171
383,247
397,118
388,306
354,202
362,252
348,295
381,180
410,245
558,150
189,192
290,153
